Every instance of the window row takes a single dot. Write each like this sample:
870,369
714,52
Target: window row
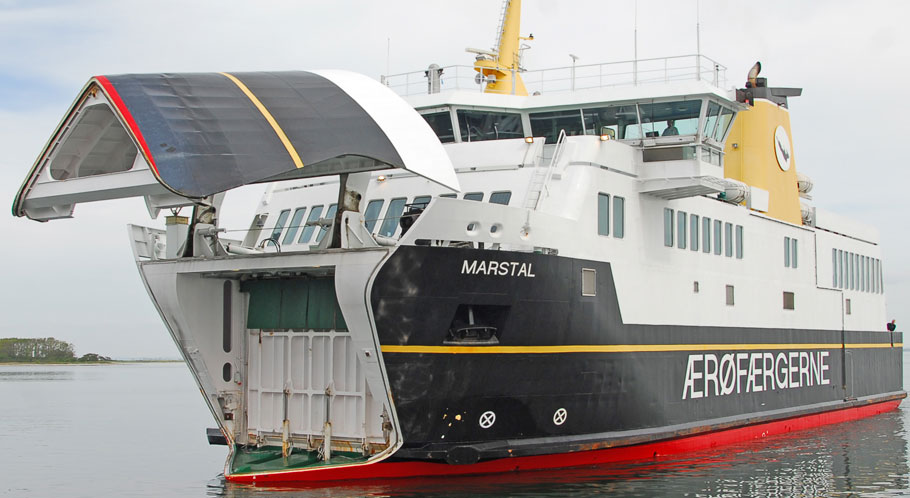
603,215
371,216
790,253
627,122
851,271
682,229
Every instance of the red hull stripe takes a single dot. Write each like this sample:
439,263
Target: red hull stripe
128,117
384,470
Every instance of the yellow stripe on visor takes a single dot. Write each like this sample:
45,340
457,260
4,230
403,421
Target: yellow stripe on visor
268,117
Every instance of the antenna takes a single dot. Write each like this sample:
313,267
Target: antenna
697,40
635,59
388,53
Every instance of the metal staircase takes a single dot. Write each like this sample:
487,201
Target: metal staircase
539,187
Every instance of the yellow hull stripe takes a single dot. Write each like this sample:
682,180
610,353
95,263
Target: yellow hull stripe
268,117
625,348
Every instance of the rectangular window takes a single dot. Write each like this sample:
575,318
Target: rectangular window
549,124
833,267
279,225
729,295
841,261
866,271
421,200
739,242
449,196
786,252
881,273
878,283
619,216
793,255
484,125
848,308
620,122
588,282
500,198
441,123
681,229
693,232
315,213
329,215
788,301
851,268
392,215
728,240
296,221
718,228
371,214
668,227
603,214
473,196
706,235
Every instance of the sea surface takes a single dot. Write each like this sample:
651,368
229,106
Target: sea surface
139,430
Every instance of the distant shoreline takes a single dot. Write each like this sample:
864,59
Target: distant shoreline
66,363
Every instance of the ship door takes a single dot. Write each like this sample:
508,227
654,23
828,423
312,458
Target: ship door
305,385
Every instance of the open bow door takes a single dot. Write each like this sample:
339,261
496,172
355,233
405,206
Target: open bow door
176,138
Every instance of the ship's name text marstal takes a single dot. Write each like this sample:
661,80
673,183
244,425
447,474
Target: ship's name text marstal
720,375
501,268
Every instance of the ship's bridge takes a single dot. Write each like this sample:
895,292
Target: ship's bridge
675,114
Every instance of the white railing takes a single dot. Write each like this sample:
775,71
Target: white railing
561,79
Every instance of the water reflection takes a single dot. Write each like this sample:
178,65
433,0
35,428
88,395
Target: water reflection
866,457
20,374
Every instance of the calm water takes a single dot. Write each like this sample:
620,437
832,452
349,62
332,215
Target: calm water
139,430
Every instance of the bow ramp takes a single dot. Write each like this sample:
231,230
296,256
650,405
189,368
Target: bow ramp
171,138
282,344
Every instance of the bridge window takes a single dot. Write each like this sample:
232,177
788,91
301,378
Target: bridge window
441,122
371,214
501,198
618,121
723,124
422,200
473,196
549,124
670,118
482,125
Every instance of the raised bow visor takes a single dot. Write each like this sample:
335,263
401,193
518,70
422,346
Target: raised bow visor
172,138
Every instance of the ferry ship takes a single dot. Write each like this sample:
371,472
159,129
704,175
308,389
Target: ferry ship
480,269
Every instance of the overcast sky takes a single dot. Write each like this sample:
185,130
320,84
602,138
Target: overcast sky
75,279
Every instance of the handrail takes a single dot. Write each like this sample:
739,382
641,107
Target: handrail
557,152
587,76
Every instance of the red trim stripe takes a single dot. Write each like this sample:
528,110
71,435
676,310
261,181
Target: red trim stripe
383,470
128,117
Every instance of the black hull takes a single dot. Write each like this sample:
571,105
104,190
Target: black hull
619,384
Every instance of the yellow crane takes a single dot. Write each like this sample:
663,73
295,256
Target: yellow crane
501,69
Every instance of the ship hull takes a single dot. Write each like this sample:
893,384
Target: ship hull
562,381
678,445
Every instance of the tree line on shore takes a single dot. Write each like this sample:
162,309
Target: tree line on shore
43,350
